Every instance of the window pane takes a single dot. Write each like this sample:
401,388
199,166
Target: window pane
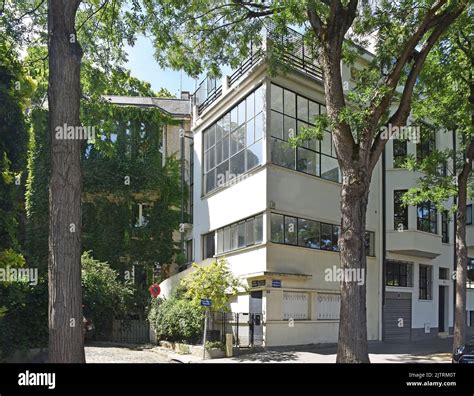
258,230
289,124
250,132
222,174
283,154
241,112
329,168
226,239
219,130
210,181
276,124
237,164
400,212
469,214
254,155
326,144
302,108
211,134
220,241
249,232
313,111
234,237
241,235
210,159
258,127
291,230
335,237
233,119
290,103
277,98
250,103
237,140
225,147
308,234
226,124
277,228
326,236
218,152
308,161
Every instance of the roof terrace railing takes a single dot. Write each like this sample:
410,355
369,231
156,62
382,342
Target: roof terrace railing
290,49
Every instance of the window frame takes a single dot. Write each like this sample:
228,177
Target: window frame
398,273
314,146
398,204
427,206
425,282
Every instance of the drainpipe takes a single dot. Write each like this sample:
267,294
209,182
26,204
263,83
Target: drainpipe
384,238
181,138
454,234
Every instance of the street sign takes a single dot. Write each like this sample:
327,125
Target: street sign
206,302
276,283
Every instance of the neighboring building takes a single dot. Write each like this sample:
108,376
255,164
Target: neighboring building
274,213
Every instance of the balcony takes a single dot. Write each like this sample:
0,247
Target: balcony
414,243
291,51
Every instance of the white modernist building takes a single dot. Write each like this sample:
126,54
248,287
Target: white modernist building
273,212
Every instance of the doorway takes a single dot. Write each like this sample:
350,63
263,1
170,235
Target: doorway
443,309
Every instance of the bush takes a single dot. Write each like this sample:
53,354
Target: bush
104,295
176,320
24,323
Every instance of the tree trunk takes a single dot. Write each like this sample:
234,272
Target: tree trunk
461,264
352,345
66,343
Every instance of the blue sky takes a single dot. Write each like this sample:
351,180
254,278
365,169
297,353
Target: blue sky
143,66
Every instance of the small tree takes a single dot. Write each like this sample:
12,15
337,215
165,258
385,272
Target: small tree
215,282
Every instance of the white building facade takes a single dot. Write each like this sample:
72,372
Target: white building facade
273,212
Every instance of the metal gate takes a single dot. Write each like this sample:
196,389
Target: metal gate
397,317
246,328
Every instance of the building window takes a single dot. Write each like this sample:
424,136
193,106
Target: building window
426,146
445,226
290,230
443,273
425,282
427,217
400,211
208,244
233,145
188,250
241,234
470,273
470,318
328,306
399,274
295,305
289,114
399,152
468,214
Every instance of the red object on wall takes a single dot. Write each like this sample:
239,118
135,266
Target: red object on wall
155,290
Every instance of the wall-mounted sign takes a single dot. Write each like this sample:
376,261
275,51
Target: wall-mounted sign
258,283
276,283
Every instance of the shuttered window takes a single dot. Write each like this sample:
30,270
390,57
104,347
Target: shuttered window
328,306
295,305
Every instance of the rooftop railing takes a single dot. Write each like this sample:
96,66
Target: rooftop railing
291,51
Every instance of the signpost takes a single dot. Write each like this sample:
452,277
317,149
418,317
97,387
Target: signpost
205,302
